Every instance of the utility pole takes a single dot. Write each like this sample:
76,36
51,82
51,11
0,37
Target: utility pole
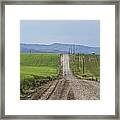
74,52
30,51
78,61
74,48
83,64
69,51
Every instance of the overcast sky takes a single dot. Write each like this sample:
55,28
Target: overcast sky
81,32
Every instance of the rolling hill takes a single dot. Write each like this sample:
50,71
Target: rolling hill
58,48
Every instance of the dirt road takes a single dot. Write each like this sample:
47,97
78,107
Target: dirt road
68,88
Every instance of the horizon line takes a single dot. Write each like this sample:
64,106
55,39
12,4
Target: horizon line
59,43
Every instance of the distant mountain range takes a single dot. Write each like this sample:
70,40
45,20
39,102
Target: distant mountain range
58,48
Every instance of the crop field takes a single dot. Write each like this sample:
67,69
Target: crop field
85,66
39,66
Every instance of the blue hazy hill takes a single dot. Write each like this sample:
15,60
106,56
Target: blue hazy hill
58,48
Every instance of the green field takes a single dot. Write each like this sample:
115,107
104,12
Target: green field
85,66
39,66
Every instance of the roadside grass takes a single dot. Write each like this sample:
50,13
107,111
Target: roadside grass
85,66
39,66
31,72
42,59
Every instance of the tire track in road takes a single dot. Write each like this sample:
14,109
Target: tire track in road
57,92
50,91
40,91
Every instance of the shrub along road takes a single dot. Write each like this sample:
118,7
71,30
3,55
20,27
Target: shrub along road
67,88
